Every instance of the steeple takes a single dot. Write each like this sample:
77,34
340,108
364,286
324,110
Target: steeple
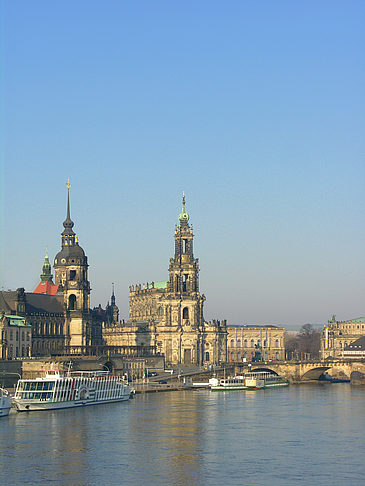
68,235
46,285
112,300
183,216
46,270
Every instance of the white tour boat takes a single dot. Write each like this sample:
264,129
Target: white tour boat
228,384
264,379
254,380
5,402
71,389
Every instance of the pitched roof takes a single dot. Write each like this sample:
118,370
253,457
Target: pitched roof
359,344
46,288
44,303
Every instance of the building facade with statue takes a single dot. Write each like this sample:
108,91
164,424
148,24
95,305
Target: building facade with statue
338,335
250,342
168,315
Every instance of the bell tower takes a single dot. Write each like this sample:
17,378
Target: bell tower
71,266
184,268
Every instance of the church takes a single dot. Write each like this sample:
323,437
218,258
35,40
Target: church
168,315
165,318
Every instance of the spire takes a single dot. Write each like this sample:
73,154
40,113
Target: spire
68,223
112,300
183,216
46,270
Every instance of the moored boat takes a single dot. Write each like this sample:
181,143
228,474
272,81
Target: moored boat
254,380
5,402
72,389
264,379
228,384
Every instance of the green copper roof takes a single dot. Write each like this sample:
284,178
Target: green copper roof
359,319
183,216
159,285
17,321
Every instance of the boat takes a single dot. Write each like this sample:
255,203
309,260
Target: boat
71,389
264,379
228,384
254,380
5,402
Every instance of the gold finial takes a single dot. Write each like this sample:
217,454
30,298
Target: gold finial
68,183
76,239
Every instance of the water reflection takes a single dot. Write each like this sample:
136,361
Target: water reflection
190,438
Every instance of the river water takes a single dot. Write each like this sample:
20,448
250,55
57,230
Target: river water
300,435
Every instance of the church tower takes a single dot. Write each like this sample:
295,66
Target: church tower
182,300
71,266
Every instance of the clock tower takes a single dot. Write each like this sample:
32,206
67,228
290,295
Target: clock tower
71,266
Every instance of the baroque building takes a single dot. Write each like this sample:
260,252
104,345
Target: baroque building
337,336
168,316
59,313
248,342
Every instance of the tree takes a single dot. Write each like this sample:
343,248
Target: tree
305,342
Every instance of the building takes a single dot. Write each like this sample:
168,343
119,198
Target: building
356,349
247,342
338,335
16,337
168,315
59,313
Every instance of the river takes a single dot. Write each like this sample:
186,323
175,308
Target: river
310,434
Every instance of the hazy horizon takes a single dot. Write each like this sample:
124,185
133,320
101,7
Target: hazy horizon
255,110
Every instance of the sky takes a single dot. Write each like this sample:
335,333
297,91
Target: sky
254,109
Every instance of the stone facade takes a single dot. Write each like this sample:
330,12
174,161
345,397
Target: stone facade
168,316
15,337
337,335
243,341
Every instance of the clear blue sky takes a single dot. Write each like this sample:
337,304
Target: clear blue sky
254,109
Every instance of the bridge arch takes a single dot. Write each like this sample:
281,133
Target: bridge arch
268,370
314,373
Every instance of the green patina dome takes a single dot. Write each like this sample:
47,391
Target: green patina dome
183,216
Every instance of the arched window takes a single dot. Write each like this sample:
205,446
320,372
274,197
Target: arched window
238,343
245,343
238,356
265,343
259,343
23,351
207,356
185,313
232,356
185,245
72,302
22,335
160,311
252,343
277,343
232,343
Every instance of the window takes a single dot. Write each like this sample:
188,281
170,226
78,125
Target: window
232,343
245,343
17,336
252,343
23,336
238,343
185,313
72,302
232,356
185,279
160,311
28,336
277,343
207,356
72,274
185,245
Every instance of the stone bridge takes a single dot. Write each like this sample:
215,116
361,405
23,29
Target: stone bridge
295,371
